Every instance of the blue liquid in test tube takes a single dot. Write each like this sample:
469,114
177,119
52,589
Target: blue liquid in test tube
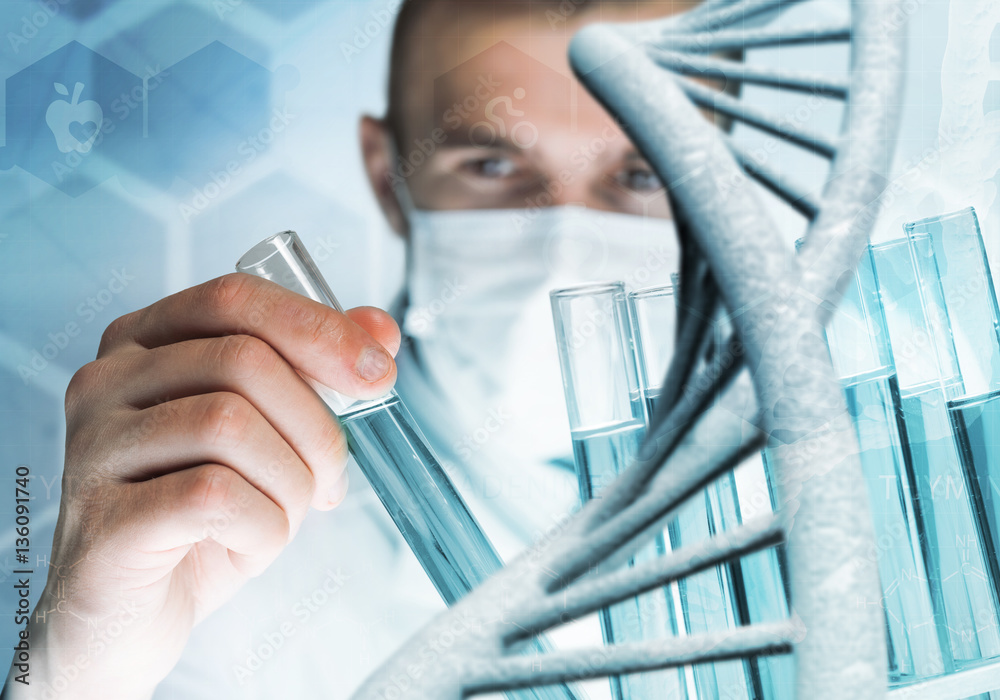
608,426
859,349
952,247
959,559
743,591
394,457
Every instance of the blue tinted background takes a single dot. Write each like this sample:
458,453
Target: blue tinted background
211,124
181,91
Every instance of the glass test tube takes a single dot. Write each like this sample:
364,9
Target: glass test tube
954,243
859,349
956,557
747,590
395,458
607,423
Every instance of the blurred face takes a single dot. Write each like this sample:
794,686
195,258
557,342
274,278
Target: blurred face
494,118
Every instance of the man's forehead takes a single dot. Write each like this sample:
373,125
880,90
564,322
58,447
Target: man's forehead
497,83
466,54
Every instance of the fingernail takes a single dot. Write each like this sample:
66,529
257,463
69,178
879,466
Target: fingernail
373,364
339,490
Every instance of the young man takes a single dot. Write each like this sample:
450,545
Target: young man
195,450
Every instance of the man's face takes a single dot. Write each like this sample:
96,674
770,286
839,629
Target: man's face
494,118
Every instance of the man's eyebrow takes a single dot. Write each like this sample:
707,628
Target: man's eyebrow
634,154
464,139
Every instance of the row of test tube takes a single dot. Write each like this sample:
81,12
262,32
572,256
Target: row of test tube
614,348
916,344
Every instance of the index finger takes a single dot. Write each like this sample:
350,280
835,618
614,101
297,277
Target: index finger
315,339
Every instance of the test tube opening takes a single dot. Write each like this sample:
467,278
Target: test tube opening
939,218
281,258
257,256
592,288
652,292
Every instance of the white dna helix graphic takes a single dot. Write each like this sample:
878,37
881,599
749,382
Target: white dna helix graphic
772,384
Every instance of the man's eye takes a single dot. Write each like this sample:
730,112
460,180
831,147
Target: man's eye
639,180
491,167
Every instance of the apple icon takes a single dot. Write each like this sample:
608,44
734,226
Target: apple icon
70,121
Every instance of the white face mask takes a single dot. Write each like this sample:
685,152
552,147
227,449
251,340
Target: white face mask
480,320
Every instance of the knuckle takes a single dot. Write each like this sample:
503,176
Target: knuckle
296,480
303,494
279,534
82,384
247,356
323,327
156,419
335,441
210,488
223,419
227,294
83,380
116,331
